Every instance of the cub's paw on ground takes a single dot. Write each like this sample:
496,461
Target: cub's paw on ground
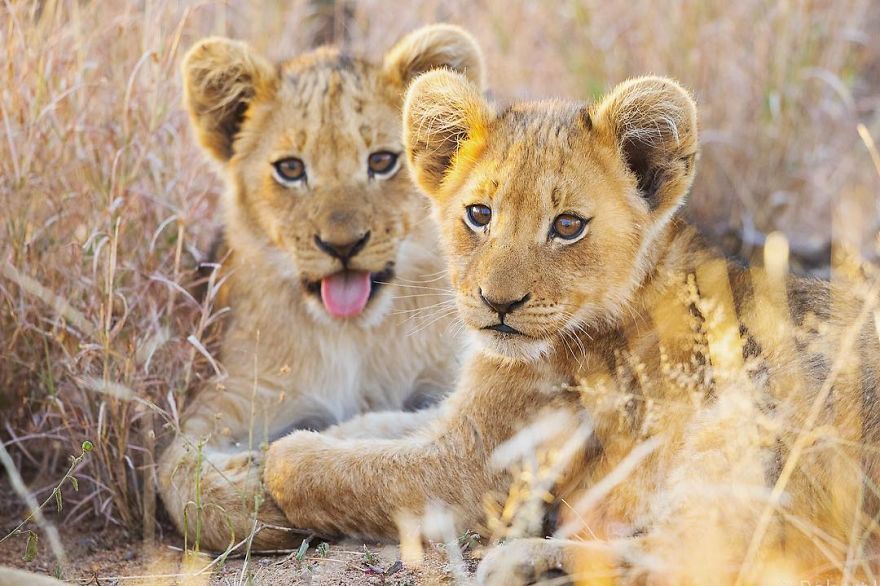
295,466
523,562
240,463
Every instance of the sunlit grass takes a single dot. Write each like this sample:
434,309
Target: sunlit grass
106,204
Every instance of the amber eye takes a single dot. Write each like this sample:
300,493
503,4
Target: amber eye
478,216
382,164
568,226
289,170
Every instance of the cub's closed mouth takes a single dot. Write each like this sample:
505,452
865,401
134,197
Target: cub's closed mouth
504,329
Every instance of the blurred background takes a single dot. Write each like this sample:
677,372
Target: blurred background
107,205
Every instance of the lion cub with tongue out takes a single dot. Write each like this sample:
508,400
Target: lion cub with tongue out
334,273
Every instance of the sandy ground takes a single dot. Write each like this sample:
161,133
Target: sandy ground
106,556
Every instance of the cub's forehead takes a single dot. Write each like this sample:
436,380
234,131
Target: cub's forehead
549,123
535,140
328,104
540,154
329,76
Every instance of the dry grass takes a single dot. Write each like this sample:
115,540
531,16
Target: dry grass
106,204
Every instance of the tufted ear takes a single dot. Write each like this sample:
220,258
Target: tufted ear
652,121
434,47
445,126
220,78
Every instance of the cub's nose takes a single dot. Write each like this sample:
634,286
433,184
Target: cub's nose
342,251
504,307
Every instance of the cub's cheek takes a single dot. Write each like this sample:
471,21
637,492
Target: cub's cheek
474,320
460,273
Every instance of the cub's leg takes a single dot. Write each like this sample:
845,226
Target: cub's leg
211,482
385,424
357,487
215,498
210,476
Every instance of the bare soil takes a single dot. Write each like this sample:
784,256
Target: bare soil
107,555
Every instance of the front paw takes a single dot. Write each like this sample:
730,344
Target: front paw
286,473
521,563
239,464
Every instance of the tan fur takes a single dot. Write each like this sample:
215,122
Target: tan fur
718,447
288,363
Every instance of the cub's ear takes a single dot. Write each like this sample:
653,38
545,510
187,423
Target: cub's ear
652,121
445,126
220,78
434,47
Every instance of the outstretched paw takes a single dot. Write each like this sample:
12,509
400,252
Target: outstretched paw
290,470
522,563
240,461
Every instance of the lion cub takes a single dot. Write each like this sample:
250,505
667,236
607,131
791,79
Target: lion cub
333,279
697,421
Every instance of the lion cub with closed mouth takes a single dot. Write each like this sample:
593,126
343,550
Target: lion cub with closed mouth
694,418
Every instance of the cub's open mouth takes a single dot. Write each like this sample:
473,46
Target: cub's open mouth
347,293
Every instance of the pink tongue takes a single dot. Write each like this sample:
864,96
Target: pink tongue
346,294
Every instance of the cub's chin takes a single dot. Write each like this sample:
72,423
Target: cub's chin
517,347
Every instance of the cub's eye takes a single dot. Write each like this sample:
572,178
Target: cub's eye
382,164
568,227
289,170
478,216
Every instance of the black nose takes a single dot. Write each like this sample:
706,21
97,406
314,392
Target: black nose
342,251
504,307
